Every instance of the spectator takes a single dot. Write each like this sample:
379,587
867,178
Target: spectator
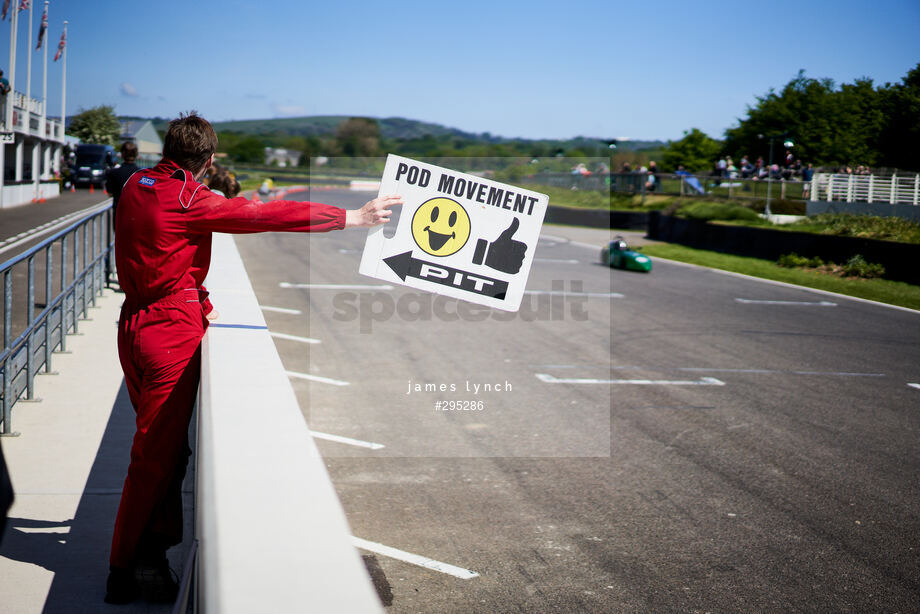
807,174
722,165
116,178
656,180
224,183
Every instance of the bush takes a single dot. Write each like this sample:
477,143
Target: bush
718,211
793,261
858,267
864,226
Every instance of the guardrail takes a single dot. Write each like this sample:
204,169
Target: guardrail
673,184
892,189
74,264
271,533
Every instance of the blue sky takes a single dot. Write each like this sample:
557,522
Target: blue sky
531,69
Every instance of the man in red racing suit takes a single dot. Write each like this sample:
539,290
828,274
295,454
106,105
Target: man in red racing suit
163,251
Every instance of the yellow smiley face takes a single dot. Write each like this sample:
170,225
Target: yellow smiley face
440,226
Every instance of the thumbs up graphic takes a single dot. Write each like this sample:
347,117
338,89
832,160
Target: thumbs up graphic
504,253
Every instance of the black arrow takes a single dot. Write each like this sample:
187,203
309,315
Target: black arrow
404,265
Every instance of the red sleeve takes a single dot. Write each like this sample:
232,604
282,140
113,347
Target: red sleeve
213,213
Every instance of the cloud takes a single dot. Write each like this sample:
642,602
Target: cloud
288,110
128,90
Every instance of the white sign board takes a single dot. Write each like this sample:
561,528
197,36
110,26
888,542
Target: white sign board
458,235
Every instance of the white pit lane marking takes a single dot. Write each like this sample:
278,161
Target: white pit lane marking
317,378
703,381
748,301
415,559
285,284
564,293
347,440
293,312
294,338
917,386
773,371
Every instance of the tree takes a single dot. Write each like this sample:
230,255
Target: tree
854,124
248,150
359,136
898,140
696,152
97,125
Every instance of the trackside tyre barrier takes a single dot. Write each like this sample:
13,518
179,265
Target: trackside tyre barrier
271,532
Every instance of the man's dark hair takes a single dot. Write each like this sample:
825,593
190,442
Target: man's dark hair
190,141
128,151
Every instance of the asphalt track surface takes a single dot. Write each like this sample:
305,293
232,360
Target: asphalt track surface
701,442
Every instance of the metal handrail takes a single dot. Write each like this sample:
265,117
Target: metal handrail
90,261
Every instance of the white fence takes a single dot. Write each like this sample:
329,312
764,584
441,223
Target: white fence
272,535
895,190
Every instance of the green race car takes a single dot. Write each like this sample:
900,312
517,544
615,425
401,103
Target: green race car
619,256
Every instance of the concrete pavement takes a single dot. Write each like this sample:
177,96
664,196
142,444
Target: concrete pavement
67,468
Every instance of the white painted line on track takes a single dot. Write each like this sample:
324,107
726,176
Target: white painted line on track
415,559
293,312
564,293
703,381
294,338
285,284
61,222
749,301
352,442
559,260
571,242
345,250
317,378
917,386
781,372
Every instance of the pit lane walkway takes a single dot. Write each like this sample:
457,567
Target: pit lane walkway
67,467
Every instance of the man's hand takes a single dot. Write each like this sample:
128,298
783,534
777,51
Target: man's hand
212,315
374,213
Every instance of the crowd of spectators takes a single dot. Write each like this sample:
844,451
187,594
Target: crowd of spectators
791,169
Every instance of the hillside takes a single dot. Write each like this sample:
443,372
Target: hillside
398,128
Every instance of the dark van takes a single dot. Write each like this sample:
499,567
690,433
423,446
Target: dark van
92,163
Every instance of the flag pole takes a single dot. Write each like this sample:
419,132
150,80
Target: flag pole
29,70
14,21
64,86
44,121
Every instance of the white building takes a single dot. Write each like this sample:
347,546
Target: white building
31,152
142,133
282,157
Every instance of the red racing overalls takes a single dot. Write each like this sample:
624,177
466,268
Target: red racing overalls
162,252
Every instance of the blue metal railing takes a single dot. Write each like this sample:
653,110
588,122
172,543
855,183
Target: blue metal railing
84,254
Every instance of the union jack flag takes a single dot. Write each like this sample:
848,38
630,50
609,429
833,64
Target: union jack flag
6,9
61,45
24,5
42,28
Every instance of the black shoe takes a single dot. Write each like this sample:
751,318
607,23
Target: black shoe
157,582
121,587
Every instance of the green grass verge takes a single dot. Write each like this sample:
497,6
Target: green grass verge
882,290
